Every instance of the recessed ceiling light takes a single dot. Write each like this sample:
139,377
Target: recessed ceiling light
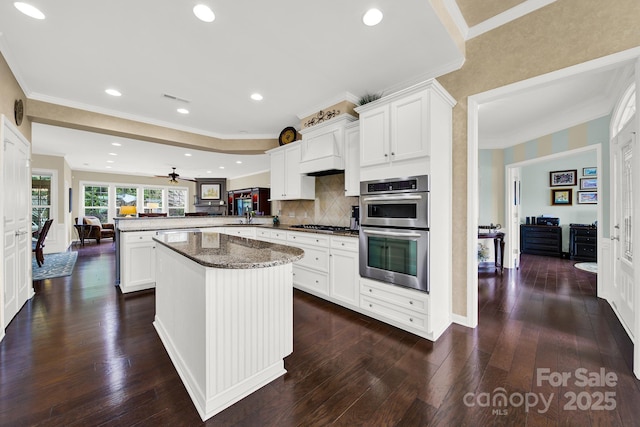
204,13
372,17
208,171
187,154
109,161
238,161
256,97
29,10
182,111
116,144
113,92
221,167
113,154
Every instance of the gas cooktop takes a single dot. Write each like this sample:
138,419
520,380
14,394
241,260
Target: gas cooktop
324,228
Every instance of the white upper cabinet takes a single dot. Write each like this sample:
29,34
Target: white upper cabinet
287,183
352,160
397,131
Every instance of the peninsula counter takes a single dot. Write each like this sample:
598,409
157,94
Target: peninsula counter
224,312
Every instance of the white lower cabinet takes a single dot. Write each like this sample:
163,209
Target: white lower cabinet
343,268
239,231
401,307
137,261
311,273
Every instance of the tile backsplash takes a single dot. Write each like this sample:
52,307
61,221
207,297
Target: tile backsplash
330,207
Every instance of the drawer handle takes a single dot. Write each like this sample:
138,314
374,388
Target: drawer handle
371,305
316,281
342,244
410,302
410,319
316,258
370,290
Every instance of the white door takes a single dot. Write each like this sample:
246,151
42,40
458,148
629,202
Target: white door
16,186
623,288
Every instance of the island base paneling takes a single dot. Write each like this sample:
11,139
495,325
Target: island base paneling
227,331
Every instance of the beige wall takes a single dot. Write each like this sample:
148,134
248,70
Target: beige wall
560,35
10,91
258,180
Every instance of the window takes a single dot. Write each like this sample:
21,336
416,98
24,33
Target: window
40,198
177,202
126,196
96,202
153,200
625,110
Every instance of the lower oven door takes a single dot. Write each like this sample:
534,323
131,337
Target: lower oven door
395,255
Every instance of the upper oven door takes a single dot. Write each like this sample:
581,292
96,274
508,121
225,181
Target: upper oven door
409,210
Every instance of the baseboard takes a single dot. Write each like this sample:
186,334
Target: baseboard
461,320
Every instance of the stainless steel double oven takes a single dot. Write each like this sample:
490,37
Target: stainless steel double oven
394,231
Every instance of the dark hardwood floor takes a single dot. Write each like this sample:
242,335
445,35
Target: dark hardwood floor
80,353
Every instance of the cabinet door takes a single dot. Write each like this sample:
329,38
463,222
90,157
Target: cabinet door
277,175
344,276
409,127
374,137
292,181
140,271
352,162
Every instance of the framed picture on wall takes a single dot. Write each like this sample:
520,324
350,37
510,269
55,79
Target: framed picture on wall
210,191
592,171
562,196
563,178
587,197
588,183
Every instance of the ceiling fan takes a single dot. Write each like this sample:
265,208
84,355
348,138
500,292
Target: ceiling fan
174,177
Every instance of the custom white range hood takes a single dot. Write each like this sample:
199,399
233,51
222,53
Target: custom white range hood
323,147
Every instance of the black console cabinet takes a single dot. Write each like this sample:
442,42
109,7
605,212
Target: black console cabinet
583,244
541,240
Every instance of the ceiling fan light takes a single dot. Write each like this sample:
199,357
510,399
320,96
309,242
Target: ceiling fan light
204,13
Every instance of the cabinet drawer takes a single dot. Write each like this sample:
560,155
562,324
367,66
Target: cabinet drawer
308,239
278,235
344,243
146,236
393,312
263,234
312,280
586,250
316,258
405,298
585,239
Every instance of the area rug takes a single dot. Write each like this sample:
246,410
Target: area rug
591,267
55,265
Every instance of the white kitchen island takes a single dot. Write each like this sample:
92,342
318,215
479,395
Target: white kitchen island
224,312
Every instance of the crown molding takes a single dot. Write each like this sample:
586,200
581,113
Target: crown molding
507,16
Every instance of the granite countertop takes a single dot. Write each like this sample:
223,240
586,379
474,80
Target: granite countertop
283,227
219,250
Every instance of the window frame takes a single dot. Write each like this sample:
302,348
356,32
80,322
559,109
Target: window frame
53,207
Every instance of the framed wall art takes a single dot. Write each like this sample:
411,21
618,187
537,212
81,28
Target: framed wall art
210,191
563,178
587,197
588,183
563,196
592,171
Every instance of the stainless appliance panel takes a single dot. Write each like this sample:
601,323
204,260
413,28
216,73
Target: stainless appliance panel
397,256
396,210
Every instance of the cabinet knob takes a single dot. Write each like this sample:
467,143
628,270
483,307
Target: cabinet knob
386,155
410,302
410,319
393,154
342,244
370,290
316,258
370,305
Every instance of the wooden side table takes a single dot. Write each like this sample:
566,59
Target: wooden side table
83,230
498,248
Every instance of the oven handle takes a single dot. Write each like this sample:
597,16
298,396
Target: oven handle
391,233
385,198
